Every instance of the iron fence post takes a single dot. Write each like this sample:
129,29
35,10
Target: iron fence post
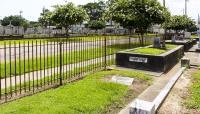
105,59
60,62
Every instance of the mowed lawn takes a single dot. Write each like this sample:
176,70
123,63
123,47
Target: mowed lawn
153,51
90,95
89,38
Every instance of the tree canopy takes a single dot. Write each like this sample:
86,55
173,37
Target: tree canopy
95,12
138,14
95,25
15,20
179,22
68,14
45,17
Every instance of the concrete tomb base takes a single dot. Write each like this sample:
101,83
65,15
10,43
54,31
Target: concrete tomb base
142,107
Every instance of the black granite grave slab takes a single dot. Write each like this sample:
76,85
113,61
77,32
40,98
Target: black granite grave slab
157,63
187,43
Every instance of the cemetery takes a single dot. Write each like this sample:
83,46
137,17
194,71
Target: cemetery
187,43
186,40
105,57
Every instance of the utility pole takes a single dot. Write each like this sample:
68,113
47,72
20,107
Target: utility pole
186,7
20,13
164,3
186,11
165,31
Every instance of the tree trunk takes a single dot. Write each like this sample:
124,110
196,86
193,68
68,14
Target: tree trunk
142,36
164,38
66,31
139,38
130,38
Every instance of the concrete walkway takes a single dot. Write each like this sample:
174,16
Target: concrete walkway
36,75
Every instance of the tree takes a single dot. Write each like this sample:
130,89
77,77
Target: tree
67,15
96,25
192,28
15,20
45,18
137,14
179,23
34,24
95,12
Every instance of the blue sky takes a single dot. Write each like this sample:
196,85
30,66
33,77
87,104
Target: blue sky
32,8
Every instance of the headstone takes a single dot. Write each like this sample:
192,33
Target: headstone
173,38
187,35
156,42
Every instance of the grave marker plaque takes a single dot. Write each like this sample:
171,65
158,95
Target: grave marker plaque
138,59
156,42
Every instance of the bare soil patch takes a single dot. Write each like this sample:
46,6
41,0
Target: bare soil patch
174,103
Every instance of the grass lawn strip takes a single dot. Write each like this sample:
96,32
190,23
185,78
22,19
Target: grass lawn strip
194,36
193,100
153,51
89,38
90,95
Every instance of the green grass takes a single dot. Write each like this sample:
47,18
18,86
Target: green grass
194,36
193,100
55,78
88,96
153,51
69,57
22,41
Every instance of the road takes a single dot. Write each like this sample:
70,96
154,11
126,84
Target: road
9,53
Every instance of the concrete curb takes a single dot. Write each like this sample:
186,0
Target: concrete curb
144,107
163,94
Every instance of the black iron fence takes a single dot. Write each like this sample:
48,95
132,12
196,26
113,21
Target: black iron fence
31,66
